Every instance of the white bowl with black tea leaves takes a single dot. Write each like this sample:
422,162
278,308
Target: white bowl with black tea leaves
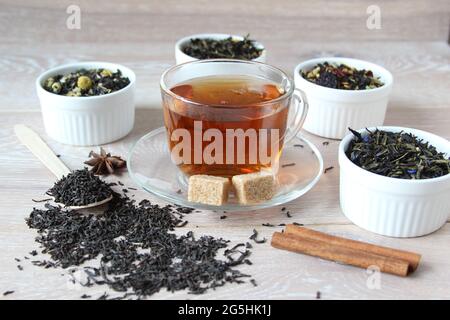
78,110
181,56
333,110
393,206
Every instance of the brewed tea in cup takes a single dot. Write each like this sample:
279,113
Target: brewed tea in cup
229,117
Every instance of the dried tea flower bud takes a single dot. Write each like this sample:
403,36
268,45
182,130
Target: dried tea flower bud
84,83
106,73
56,87
49,82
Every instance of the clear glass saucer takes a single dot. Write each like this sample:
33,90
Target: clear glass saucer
150,166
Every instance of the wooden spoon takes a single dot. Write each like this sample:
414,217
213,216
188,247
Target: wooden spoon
40,149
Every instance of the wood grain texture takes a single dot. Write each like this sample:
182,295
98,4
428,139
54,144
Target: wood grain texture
283,276
412,44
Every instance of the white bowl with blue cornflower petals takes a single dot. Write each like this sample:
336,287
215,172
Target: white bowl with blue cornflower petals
392,206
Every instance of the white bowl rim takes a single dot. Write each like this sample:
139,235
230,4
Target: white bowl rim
370,66
182,41
370,175
77,65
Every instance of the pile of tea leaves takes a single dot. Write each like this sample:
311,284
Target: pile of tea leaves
397,155
229,48
86,82
341,76
131,248
79,188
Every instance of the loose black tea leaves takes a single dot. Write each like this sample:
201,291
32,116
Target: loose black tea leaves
85,83
288,165
229,48
328,169
79,188
397,155
268,225
132,249
254,237
341,76
6,293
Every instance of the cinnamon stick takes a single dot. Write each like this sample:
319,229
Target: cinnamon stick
340,254
412,258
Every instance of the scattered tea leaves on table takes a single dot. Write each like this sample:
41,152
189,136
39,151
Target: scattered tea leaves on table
328,169
397,155
79,188
132,249
230,48
341,76
268,225
6,293
254,237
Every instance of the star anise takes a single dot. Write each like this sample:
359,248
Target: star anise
104,163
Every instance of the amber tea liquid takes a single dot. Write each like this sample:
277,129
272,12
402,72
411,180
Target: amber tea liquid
227,102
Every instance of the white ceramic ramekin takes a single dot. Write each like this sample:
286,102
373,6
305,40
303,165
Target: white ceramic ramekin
181,57
391,206
85,121
332,111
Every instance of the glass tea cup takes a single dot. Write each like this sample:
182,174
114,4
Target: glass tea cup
225,137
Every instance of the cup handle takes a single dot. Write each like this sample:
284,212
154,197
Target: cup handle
299,116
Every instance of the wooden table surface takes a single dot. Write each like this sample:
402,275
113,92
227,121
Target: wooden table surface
412,44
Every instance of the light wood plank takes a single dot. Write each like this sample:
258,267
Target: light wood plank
421,70
284,276
145,21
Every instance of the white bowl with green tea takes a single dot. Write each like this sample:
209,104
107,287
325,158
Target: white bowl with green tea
342,93
87,103
395,181
218,46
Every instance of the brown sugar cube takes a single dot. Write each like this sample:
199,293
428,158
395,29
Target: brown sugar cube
254,187
208,189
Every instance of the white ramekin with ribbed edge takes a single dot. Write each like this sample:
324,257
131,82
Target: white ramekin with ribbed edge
181,57
391,206
332,111
86,121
